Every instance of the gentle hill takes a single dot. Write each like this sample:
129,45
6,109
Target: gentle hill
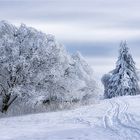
112,119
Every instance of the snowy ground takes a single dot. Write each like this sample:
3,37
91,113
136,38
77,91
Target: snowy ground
114,119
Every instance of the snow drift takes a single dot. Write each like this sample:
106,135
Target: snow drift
36,71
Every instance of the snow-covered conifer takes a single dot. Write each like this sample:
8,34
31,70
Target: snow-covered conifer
123,80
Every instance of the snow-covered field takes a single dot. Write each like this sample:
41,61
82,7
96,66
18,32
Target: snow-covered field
112,119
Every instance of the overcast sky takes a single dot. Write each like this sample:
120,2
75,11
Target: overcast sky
93,27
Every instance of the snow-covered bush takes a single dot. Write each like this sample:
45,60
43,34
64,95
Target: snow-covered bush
35,69
123,80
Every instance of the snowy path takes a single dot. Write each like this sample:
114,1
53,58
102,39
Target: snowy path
114,119
120,122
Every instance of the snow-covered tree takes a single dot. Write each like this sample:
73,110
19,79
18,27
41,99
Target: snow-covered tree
36,69
123,80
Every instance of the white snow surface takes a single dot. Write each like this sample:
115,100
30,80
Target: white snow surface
110,119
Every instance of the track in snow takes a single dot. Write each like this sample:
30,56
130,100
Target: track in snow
118,121
121,121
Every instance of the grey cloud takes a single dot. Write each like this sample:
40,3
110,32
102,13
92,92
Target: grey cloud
100,14
107,13
94,49
102,49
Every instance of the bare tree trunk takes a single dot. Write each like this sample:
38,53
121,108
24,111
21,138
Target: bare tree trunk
7,103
